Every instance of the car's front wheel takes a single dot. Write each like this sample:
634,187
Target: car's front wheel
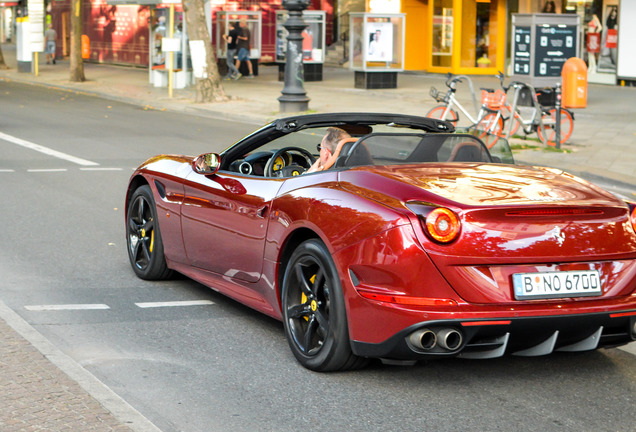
143,238
314,312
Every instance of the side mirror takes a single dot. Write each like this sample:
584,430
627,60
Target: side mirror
207,163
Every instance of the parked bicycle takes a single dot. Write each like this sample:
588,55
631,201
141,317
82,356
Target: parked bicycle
535,111
488,123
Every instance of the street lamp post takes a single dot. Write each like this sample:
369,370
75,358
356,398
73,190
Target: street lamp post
294,98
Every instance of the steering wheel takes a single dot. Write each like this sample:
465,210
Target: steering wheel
272,169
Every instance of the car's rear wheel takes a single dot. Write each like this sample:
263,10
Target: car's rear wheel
314,312
145,248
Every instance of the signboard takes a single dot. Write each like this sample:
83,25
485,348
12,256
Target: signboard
554,44
36,25
541,45
199,60
593,43
170,44
521,51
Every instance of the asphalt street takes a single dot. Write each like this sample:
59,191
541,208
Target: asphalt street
189,359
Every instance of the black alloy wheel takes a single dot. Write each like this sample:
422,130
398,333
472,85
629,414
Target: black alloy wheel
314,314
145,248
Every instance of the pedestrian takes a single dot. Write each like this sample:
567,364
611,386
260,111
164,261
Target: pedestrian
232,42
50,36
243,46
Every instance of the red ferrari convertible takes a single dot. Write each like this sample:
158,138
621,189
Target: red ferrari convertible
418,242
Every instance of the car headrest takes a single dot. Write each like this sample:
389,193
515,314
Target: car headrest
334,156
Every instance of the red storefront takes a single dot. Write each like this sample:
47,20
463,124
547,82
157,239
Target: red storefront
120,31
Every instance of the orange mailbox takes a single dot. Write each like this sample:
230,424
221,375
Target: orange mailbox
574,76
86,47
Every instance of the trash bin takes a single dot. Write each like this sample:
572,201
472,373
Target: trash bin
574,77
86,47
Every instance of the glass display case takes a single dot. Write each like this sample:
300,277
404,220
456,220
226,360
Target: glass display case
254,24
313,36
377,42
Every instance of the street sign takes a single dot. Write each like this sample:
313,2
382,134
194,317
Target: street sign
554,44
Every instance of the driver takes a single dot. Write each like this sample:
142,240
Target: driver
327,147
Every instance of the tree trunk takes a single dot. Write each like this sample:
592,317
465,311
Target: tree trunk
208,88
3,65
77,65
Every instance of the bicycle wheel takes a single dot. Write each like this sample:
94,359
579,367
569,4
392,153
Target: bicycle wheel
438,113
505,112
489,128
547,131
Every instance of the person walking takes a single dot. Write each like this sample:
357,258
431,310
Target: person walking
50,36
243,46
232,42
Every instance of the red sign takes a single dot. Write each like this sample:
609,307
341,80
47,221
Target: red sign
8,4
593,42
612,38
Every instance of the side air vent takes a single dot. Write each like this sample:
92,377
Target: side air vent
161,189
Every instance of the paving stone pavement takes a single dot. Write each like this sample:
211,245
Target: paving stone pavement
38,396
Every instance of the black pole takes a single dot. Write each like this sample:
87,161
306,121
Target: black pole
557,117
294,98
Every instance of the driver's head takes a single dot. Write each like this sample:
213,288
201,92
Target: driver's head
330,141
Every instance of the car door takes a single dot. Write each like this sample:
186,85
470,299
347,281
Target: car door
224,222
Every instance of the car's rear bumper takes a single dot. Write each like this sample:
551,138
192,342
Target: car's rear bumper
490,338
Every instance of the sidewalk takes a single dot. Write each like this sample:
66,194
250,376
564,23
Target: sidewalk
603,142
40,392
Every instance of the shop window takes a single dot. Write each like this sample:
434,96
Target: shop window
479,39
442,33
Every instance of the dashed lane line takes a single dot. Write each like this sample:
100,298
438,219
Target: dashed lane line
46,150
100,306
174,303
35,170
59,307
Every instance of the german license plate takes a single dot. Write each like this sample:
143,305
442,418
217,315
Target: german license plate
545,285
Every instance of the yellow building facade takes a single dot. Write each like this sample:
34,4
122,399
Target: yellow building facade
457,36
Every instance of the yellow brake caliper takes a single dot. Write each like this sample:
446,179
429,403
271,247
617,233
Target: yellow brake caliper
152,239
303,297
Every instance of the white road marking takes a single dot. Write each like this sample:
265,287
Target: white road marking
174,303
101,169
47,170
59,307
7,170
46,150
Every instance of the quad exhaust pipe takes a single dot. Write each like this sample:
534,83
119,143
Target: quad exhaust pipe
426,339
449,339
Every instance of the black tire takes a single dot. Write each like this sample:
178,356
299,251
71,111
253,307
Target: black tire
143,238
314,313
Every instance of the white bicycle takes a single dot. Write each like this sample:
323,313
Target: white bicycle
488,122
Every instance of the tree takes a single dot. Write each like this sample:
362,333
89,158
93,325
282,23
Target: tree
3,65
208,88
77,64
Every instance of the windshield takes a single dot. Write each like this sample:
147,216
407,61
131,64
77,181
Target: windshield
391,149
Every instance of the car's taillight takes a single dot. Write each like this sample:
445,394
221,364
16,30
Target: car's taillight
443,225
632,216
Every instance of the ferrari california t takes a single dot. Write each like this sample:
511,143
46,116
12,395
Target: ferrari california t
417,242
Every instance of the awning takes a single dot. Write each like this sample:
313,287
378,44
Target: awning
8,4
141,2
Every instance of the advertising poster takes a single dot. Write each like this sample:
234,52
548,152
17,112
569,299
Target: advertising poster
380,40
609,42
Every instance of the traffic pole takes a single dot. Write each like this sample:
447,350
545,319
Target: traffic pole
557,117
